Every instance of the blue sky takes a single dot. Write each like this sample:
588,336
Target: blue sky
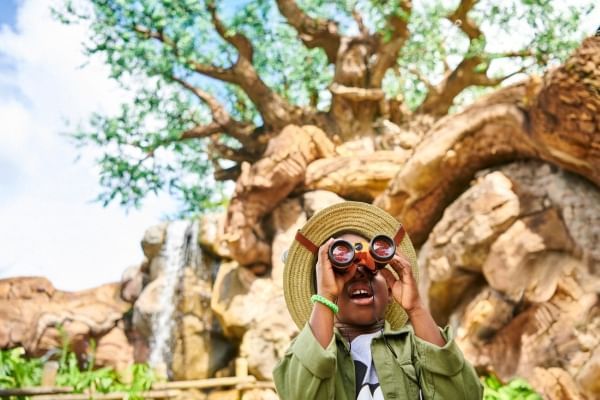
8,11
49,225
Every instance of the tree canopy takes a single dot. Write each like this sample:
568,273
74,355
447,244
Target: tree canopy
213,81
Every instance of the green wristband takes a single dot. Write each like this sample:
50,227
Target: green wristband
326,302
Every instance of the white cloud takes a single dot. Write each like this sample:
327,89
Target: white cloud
48,225
15,123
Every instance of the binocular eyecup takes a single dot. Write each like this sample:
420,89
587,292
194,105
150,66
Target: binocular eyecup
343,254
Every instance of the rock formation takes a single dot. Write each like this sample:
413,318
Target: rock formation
513,265
39,318
508,249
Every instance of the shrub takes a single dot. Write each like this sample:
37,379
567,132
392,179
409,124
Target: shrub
17,371
516,389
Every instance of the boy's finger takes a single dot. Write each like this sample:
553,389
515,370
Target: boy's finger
347,275
397,263
324,249
389,277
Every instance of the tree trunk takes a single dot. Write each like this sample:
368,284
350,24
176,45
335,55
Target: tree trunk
263,185
553,119
549,119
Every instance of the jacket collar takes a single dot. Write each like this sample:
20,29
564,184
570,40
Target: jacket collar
387,331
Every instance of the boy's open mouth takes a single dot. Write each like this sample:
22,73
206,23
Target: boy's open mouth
360,293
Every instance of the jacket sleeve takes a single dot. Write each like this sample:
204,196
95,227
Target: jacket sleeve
307,370
443,372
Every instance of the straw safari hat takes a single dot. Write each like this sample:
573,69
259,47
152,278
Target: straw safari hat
361,218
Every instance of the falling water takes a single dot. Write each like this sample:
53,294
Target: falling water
179,250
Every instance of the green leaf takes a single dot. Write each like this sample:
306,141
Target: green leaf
145,43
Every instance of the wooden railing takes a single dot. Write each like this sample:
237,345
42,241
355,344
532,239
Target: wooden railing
160,390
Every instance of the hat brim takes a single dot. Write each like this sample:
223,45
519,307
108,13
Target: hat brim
364,219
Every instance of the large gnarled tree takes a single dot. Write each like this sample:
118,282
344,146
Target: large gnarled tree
255,92
373,100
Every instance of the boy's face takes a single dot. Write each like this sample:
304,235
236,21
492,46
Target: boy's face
365,296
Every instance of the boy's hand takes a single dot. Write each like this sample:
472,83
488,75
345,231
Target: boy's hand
406,293
404,289
330,283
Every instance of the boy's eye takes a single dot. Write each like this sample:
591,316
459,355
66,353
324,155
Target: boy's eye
358,246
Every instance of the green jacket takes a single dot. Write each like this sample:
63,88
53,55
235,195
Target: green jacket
308,371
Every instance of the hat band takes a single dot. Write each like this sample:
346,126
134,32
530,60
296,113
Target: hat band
313,248
304,241
399,235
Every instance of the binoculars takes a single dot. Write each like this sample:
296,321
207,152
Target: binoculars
343,254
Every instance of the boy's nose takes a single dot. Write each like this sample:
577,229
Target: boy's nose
363,271
363,259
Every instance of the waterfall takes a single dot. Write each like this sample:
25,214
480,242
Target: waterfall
180,249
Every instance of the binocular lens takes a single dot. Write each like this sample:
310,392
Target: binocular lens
382,248
341,253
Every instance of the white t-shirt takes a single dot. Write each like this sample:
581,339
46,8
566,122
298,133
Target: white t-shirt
367,382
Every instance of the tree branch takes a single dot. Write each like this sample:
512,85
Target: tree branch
484,80
440,98
359,22
356,93
236,129
389,48
459,18
224,152
237,40
312,32
275,111
438,101
509,54
220,115
223,74
202,131
422,78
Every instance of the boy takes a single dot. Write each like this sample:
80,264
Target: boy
354,341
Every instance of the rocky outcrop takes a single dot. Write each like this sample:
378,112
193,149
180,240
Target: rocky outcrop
197,346
514,265
262,185
253,313
251,309
39,318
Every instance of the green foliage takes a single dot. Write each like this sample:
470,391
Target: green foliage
432,41
139,145
546,29
140,152
16,371
298,74
516,389
103,380
142,378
